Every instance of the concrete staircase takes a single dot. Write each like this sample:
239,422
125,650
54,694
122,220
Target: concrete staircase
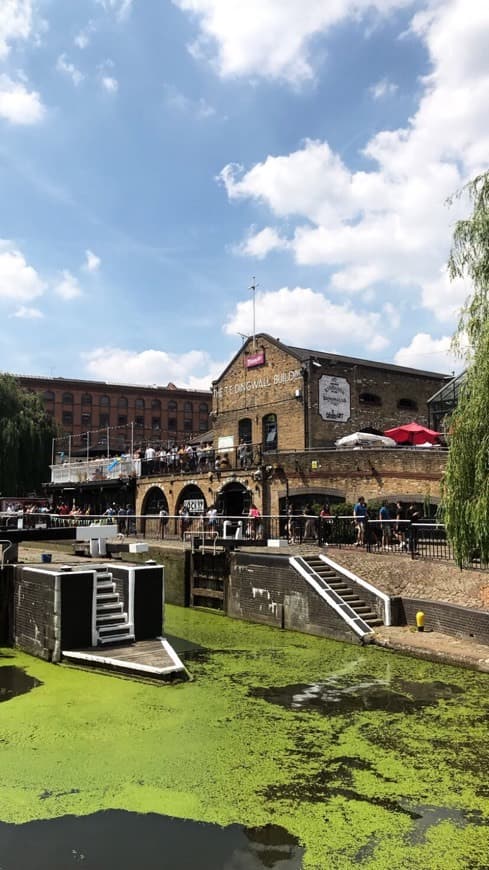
112,622
331,579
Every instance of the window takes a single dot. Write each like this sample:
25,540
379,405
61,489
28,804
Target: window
67,398
269,425
86,399
187,408
172,406
187,425
104,402
48,396
203,408
203,426
139,404
86,420
122,420
139,421
156,423
172,424
407,405
155,405
122,403
103,419
369,399
244,430
67,418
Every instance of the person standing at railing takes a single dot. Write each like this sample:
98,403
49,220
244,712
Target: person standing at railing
360,514
412,514
399,528
384,517
163,522
253,530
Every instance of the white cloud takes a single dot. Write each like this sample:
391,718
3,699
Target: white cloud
153,367
16,20
270,38
307,318
68,287
17,104
383,89
176,100
262,243
92,262
389,224
25,312
428,353
110,84
82,39
121,8
18,280
64,66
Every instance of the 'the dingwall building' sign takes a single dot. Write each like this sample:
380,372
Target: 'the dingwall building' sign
334,399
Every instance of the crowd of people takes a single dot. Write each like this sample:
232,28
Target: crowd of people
194,458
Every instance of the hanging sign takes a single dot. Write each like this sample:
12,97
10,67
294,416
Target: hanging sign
334,399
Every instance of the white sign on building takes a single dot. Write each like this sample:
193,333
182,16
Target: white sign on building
334,399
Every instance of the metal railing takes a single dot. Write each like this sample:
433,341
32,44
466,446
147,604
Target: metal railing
421,540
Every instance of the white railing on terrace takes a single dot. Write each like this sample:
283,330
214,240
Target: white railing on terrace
83,470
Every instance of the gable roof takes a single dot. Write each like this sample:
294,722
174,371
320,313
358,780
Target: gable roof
303,354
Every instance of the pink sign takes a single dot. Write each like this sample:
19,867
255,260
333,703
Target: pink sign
256,359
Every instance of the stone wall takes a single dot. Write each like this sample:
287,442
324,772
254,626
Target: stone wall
292,384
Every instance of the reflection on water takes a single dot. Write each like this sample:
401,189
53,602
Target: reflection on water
14,681
150,842
338,695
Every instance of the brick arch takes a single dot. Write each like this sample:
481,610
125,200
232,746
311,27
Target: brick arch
154,500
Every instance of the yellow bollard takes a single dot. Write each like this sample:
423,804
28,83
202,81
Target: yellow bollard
420,620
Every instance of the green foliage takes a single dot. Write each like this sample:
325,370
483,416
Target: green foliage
466,480
26,434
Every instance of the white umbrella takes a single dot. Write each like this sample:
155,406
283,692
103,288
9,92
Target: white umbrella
365,439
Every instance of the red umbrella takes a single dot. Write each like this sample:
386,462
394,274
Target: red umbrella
413,433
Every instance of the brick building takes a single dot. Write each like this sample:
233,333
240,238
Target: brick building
135,415
289,398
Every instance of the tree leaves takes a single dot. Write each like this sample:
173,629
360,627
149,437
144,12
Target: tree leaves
26,434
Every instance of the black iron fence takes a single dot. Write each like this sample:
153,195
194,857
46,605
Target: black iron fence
420,540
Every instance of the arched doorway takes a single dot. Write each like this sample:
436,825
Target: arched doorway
190,507
233,500
153,502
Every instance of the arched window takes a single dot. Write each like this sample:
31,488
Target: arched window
104,402
48,396
244,430
269,432
122,403
139,404
369,399
203,408
407,405
67,399
86,399
187,409
155,405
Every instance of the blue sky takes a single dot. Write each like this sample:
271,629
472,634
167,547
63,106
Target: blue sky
157,154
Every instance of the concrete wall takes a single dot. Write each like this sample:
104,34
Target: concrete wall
267,589
451,619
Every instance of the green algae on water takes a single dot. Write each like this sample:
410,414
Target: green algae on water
390,785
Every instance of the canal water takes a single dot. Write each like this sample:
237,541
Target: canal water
285,752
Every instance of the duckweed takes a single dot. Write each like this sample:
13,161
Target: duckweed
365,758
